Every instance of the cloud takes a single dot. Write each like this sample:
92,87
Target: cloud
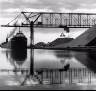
12,6
37,10
69,5
31,1
2,1
84,10
12,10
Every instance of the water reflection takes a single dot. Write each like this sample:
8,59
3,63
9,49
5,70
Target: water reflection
88,59
19,55
64,74
59,76
64,56
16,57
92,55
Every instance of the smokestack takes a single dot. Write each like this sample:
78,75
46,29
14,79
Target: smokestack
12,32
7,40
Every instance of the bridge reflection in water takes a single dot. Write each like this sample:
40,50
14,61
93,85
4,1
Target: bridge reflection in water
65,75
56,76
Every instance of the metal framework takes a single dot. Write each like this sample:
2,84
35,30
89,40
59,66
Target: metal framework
54,20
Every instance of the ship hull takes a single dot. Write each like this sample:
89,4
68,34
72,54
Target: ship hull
19,43
6,45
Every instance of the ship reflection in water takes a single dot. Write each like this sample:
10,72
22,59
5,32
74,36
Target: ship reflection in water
50,67
19,56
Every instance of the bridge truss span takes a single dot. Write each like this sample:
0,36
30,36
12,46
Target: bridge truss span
54,20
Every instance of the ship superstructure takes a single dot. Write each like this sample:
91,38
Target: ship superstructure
18,41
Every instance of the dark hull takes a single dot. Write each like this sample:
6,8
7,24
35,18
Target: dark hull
19,43
19,55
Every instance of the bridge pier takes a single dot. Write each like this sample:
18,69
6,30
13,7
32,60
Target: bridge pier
31,34
31,62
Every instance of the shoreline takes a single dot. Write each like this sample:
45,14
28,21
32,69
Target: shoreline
68,48
86,49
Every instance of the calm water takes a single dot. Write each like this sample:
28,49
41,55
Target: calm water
34,67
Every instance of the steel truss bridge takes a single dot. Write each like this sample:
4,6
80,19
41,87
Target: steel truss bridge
52,20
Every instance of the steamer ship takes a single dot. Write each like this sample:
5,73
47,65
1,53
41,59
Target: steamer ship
19,41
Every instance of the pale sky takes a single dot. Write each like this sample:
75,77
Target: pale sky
9,9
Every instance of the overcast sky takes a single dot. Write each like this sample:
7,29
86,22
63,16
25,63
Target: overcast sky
9,9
